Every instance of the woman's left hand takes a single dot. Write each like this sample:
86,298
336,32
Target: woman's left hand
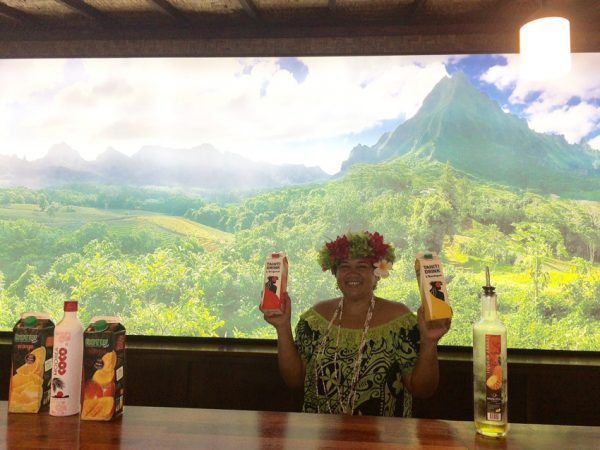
431,330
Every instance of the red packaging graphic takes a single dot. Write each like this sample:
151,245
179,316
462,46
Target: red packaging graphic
493,377
274,282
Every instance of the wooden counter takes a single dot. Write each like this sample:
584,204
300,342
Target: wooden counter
218,373
186,428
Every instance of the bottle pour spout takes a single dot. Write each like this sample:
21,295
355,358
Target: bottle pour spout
488,289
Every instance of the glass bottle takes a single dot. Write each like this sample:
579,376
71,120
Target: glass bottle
490,399
67,362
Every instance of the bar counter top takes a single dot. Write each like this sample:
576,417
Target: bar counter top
186,428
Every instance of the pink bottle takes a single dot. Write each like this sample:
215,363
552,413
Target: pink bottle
67,361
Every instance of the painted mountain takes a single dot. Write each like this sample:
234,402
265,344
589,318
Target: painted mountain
201,167
460,125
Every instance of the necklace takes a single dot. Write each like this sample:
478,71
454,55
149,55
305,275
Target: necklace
346,402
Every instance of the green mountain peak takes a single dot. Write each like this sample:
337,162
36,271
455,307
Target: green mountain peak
464,127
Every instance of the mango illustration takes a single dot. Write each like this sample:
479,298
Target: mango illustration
26,397
110,360
98,408
26,384
494,382
104,376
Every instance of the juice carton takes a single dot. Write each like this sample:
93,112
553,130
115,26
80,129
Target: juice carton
274,283
33,337
103,386
432,287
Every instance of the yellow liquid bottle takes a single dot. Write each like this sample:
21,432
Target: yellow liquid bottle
490,396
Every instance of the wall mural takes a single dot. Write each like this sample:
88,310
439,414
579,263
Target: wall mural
153,189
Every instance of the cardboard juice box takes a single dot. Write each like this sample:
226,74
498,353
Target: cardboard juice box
31,371
432,286
274,282
103,386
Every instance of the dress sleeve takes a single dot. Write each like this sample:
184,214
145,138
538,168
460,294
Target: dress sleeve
408,345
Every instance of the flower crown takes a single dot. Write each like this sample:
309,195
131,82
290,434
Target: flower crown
366,245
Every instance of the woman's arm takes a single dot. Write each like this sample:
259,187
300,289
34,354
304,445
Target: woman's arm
423,380
291,366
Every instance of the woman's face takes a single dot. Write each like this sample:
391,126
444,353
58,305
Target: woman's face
355,278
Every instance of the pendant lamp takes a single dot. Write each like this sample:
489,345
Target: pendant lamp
545,48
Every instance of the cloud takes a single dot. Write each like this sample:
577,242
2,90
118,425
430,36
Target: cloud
574,122
21,78
4,117
233,103
504,76
554,109
595,143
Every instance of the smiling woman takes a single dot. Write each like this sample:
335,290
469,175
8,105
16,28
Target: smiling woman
358,354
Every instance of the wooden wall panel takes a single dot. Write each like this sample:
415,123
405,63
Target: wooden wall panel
234,382
454,398
156,379
224,378
563,394
4,371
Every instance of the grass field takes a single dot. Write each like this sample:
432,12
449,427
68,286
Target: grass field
558,272
209,238
122,222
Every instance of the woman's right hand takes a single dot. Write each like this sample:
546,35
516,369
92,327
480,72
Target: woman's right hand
283,319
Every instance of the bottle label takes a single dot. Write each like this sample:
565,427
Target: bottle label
60,354
66,372
493,377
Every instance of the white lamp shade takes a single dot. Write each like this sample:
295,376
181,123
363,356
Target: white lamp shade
545,49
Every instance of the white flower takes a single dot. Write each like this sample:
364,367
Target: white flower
382,268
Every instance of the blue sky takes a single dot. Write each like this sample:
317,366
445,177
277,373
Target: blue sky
305,110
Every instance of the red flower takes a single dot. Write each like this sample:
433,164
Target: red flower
338,249
379,248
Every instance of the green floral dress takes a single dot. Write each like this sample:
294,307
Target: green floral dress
390,352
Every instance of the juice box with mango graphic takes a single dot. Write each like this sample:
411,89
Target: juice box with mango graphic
103,386
33,338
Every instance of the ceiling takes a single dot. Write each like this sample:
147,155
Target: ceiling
102,28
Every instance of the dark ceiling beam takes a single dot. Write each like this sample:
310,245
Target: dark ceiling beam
167,7
332,8
276,40
17,14
251,9
416,9
88,11
505,10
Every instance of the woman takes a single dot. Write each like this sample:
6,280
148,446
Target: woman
359,353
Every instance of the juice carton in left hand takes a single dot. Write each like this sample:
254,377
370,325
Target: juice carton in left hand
33,337
274,283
